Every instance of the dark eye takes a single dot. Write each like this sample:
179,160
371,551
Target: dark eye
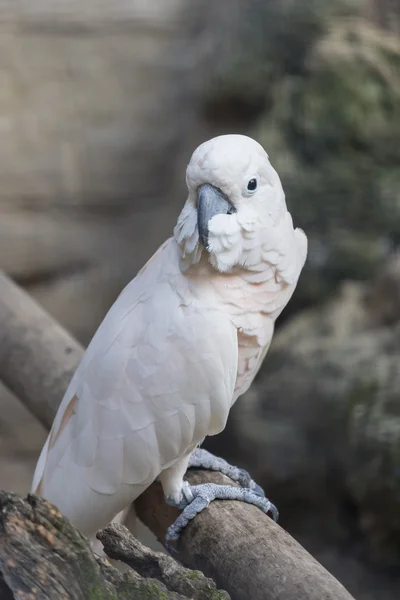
252,185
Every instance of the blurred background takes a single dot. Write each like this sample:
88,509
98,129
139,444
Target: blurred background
101,105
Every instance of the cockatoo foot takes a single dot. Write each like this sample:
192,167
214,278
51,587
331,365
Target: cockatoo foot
197,497
203,459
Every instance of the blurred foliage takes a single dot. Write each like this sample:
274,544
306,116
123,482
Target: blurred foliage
319,87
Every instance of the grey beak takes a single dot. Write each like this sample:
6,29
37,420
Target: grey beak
210,202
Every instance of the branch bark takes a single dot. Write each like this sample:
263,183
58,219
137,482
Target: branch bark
119,544
245,552
43,557
37,356
236,544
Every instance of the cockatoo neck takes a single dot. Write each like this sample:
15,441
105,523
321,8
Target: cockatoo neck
237,242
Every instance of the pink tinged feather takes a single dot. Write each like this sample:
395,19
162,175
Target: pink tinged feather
84,410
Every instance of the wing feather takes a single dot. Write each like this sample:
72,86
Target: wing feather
157,378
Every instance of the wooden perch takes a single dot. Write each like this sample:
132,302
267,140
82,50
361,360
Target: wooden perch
236,544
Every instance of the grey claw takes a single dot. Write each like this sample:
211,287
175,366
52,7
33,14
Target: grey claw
246,481
244,478
201,458
257,489
205,493
275,512
168,539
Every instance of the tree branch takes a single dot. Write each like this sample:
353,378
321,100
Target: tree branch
37,356
43,557
236,544
120,545
242,549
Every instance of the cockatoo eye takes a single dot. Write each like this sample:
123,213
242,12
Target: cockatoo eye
252,185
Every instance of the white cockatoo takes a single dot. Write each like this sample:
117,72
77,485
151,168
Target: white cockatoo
181,343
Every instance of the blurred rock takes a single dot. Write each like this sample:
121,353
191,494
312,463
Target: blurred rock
383,296
384,12
96,102
339,124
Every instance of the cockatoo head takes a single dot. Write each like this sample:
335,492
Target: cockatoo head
235,196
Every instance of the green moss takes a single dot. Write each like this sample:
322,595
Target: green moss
146,589
98,593
153,590
206,585
218,595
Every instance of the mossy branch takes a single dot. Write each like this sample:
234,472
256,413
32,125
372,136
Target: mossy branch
43,556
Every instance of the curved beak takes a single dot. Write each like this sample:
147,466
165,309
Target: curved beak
210,202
